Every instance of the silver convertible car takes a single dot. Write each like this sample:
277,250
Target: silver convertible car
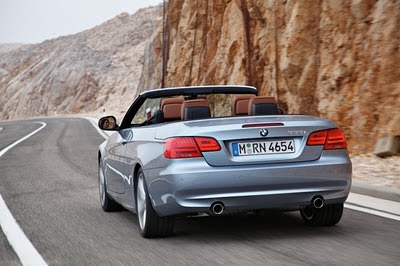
216,150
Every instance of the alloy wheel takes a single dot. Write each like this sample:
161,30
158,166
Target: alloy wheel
141,201
102,190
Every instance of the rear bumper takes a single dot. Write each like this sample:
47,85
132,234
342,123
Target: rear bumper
191,185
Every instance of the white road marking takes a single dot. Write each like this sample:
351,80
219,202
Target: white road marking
1,128
101,132
374,203
22,139
26,252
374,212
380,207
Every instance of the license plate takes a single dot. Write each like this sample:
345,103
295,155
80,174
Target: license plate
263,147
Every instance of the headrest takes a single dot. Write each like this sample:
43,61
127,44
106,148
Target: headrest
240,104
195,109
171,108
261,105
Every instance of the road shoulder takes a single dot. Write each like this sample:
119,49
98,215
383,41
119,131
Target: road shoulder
387,193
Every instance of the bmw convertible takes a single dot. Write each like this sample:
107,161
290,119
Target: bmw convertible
216,150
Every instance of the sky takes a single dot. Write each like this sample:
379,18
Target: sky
33,21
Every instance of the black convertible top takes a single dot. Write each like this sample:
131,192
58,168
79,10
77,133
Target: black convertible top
223,89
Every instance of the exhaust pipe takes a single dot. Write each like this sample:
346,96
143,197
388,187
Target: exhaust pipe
318,202
217,208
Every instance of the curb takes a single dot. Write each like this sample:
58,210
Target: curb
386,193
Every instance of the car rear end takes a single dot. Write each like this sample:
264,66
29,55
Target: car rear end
248,163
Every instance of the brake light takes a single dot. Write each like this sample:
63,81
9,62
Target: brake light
189,147
263,125
331,139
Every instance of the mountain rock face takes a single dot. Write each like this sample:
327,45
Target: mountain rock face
335,59
92,71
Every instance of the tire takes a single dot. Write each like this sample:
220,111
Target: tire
107,203
150,224
326,216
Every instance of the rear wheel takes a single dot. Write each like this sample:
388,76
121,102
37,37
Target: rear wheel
327,215
107,203
150,224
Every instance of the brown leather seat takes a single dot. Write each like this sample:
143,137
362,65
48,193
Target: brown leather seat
262,105
171,108
240,104
195,109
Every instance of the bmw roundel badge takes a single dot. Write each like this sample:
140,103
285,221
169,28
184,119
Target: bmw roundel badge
263,132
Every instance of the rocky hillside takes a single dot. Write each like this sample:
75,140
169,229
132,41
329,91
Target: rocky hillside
87,72
8,47
335,59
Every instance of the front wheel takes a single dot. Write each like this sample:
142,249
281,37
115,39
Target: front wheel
150,224
327,215
107,203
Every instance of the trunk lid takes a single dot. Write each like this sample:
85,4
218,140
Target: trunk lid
241,133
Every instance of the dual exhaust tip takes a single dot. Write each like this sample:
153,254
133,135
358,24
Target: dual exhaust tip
318,202
217,208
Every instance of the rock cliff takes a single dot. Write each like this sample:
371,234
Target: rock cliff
335,59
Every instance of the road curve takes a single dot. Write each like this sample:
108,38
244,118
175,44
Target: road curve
49,182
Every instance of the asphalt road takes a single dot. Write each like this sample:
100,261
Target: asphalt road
49,182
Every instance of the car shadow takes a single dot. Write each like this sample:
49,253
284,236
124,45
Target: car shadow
269,225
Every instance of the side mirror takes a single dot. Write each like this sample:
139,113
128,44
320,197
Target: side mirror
108,123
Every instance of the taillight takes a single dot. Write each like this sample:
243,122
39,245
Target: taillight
207,144
317,138
336,140
331,139
189,147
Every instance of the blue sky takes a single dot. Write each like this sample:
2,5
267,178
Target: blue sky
33,21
